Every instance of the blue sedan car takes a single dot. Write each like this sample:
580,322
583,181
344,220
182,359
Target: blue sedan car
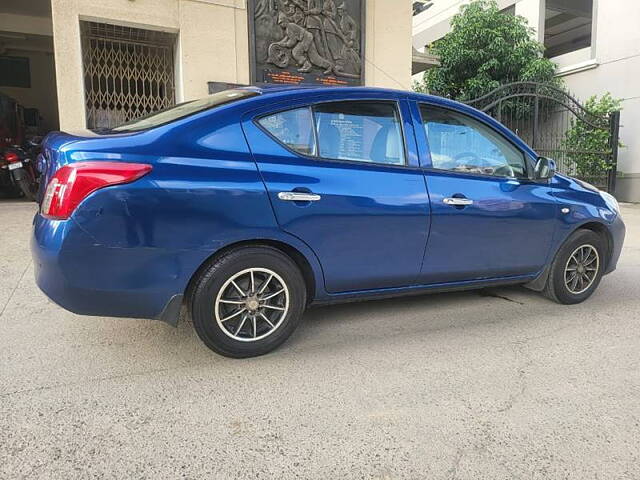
251,204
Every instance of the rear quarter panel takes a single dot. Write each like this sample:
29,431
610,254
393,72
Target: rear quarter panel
151,236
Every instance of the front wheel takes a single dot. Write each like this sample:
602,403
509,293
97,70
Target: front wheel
577,269
248,301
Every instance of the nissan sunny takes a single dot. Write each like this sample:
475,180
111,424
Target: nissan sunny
254,203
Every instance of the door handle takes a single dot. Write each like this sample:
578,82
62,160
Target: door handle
298,197
457,202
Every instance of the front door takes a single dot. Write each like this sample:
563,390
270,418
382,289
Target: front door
488,219
339,179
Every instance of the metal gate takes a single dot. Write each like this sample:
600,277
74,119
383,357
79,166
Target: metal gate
128,73
548,120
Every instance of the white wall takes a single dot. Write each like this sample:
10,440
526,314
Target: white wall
616,69
388,44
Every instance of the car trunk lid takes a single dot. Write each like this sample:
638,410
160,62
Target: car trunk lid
54,153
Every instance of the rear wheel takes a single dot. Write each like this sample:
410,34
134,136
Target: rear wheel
28,188
248,301
577,269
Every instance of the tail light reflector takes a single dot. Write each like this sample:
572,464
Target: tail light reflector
73,183
11,157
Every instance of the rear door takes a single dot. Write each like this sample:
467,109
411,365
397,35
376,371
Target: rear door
342,178
488,219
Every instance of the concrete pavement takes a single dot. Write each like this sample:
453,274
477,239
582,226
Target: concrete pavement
498,384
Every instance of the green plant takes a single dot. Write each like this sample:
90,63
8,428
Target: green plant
485,49
589,147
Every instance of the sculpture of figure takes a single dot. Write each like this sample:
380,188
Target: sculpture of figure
299,8
314,24
349,56
265,7
318,33
303,48
349,27
333,36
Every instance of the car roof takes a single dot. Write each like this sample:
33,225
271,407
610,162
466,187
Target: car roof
270,88
267,89
285,90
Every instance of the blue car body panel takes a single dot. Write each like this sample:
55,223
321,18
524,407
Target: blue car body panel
505,232
131,250
370,228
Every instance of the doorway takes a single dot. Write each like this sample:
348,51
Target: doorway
128,73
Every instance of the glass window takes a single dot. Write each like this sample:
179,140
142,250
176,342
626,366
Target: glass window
294,128
184,110
568,26
462,144
360,131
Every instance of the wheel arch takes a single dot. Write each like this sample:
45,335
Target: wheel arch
602,230
301,261
599,228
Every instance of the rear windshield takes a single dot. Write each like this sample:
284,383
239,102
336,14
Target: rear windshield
184,110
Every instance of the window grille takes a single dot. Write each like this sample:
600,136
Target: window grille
128,73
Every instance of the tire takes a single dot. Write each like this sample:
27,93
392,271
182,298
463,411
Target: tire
27,189
560,287
215,301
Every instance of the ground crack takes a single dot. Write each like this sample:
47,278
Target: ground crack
488,293
15,288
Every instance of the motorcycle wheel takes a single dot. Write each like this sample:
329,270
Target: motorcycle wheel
28,188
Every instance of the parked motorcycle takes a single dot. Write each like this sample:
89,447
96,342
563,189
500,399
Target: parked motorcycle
8,186
20,128
21,165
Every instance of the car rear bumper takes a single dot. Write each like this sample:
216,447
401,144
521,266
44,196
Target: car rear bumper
91,279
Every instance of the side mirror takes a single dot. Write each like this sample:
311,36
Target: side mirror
545,169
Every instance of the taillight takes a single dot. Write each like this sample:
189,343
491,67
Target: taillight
11,157
73,183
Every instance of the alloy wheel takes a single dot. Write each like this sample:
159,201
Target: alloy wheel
252,304
581,269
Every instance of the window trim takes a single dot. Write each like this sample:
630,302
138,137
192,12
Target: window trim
396,104
525,156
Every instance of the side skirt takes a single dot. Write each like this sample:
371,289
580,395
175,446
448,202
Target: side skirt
424,289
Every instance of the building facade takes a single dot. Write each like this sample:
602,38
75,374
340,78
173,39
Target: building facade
596,45
92,63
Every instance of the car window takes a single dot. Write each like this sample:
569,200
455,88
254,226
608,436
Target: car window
461,144
294,128
360,131
185,109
